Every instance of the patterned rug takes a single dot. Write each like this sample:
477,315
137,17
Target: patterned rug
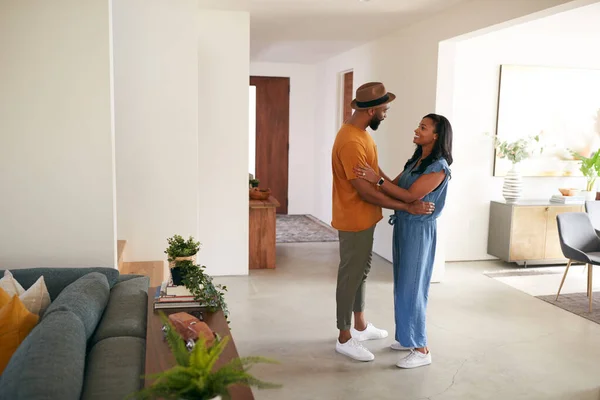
542,283
577,303
303,228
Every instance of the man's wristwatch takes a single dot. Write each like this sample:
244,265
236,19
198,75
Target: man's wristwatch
381,181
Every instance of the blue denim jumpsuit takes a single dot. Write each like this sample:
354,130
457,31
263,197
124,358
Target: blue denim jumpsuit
414,244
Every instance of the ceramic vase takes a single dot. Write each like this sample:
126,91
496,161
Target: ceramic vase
513,185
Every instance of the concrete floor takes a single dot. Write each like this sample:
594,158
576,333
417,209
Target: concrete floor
488,340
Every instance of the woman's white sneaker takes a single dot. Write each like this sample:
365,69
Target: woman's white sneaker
414,359
354,350
370,333
397,346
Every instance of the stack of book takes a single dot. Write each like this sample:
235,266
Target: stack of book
558,198
167,296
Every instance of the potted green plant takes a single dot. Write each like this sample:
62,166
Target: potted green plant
590,168
194,376
515,152
181,253
254,183
201,285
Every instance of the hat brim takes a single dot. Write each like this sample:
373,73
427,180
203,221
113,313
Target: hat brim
391,97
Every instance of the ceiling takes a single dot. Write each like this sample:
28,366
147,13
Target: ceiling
309,31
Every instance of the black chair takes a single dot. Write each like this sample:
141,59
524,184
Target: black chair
593,210
579,243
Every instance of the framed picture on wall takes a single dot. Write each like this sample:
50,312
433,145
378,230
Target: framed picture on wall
562,105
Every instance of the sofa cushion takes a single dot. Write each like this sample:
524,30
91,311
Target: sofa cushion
114,368
57,279
16,322
125,314
10,285
86,297
126,277
50,362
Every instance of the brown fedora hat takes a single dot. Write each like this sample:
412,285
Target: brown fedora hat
372,94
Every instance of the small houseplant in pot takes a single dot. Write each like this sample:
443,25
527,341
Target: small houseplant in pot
516,151
590,168
201,285
194,376
181,253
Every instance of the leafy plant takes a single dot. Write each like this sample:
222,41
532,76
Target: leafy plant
201,285
519,150
590,168
179,247
254,182
194,378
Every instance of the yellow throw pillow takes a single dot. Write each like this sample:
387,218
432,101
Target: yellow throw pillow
15,324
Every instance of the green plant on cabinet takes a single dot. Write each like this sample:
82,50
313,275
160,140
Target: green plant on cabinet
590,168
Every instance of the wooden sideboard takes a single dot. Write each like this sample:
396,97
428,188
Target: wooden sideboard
527,232
262,233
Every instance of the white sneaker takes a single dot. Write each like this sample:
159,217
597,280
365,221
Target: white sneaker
370,333
397,346
414,359
354,350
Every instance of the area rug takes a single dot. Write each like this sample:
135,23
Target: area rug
577,303
542,283
303,228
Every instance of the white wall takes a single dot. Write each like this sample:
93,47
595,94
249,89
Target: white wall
303,96
223,71
564,40
182,149
156,120
56,137
406,62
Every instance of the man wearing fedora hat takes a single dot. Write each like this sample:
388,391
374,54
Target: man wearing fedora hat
356,211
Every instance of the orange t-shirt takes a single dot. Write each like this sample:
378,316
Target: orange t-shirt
352,147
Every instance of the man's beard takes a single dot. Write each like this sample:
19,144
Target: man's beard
374,124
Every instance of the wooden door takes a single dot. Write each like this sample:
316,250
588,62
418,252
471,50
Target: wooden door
552,248
528,239
272,136
348,95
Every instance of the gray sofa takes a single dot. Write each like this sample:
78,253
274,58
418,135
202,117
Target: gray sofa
90,343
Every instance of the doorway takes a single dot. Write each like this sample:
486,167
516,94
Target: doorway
271,130
347,86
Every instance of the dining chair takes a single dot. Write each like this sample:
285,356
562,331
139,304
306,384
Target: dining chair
579,243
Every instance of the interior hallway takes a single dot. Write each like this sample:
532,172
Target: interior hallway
488,340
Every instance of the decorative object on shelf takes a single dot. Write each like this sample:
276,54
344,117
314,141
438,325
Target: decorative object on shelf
191,329
254,183
194,376
201,285
515,152
568,191
181,254
590,168
512,189
259,194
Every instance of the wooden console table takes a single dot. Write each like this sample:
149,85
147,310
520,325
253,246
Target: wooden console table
262,233
158,354
527,232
